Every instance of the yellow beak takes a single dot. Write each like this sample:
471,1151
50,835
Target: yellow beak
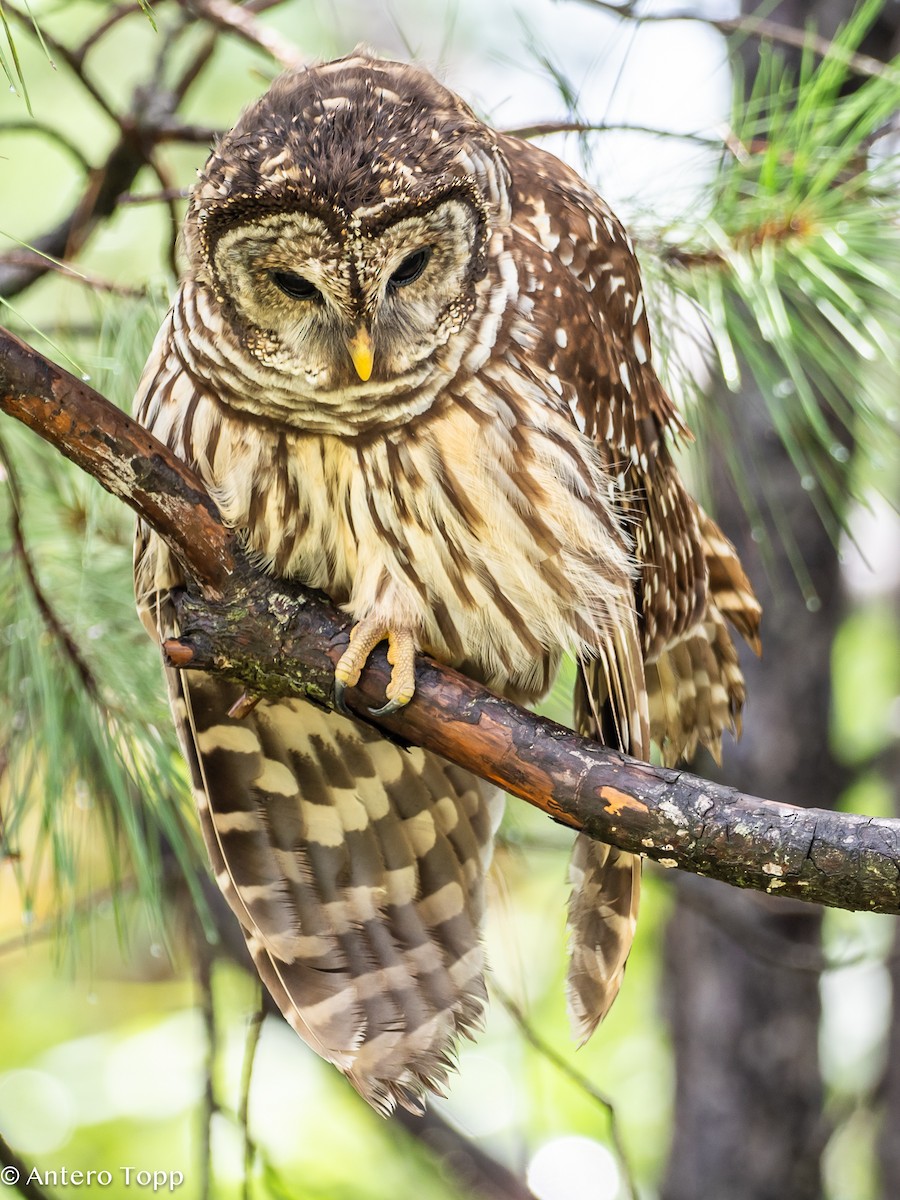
362,353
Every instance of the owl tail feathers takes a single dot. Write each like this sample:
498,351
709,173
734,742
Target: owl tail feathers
606,886
610,705
356,870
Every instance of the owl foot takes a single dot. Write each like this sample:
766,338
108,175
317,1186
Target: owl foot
401,654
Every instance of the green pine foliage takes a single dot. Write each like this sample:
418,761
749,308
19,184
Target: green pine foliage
89,754
795,271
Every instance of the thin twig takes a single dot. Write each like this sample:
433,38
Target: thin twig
270,1170
759,27
580,1080
118,14
254,1032
173,130
28,258
168,189
104,185
52,621
545,128
203,972
52,134
64,54
191,73
237,20
163,197
477,1175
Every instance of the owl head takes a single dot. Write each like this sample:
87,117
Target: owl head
343,226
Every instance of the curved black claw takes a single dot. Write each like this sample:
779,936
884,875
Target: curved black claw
337,695
392,706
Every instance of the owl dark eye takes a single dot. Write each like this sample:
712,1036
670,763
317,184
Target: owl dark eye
411,268
295,286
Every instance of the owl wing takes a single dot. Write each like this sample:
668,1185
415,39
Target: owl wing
354,867
592,332
673,660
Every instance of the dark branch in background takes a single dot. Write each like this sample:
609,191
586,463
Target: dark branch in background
98,202
757,27
236,19
581,1081
12,1163
119,12
73,59
545,128
30,258
150,119
53,135
278,638
164,197
482,1176
174,130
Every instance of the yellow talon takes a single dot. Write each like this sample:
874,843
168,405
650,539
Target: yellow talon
401,654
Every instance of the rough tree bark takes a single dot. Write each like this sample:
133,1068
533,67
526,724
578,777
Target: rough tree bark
741,977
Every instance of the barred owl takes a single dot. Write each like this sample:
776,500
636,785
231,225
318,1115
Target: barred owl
411,363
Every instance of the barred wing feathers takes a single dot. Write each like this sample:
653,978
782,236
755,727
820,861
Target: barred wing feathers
355,869
670,673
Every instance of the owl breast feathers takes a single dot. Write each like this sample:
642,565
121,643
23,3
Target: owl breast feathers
410,360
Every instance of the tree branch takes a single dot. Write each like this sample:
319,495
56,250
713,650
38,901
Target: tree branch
233,18
17,1173
469,1166
278,638
546,128
579,1080
102,189
127,460
757,27
31,258
150,119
